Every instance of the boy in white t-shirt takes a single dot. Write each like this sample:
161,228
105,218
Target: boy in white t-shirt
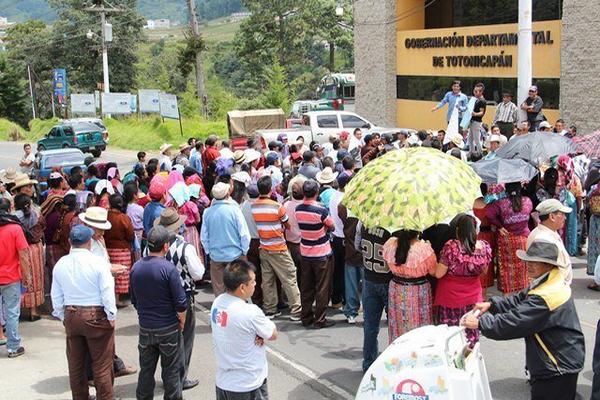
239,330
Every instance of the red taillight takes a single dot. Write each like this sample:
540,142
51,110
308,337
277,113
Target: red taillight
75,139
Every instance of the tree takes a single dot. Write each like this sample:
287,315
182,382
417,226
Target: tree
13,94
277,94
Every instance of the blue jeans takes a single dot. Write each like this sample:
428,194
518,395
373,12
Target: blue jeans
352,277
375,300
11,301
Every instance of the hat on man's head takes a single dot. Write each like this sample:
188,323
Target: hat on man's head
344,135
251,155
242,177
551,206
271,157
341,154
164,147
96,217
220,190
8,175
170,219
80,234
541,251
239,157
545,124
533,88
23,180
157,238
55,175
326,176
295,185
343,180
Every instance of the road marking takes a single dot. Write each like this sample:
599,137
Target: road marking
307,372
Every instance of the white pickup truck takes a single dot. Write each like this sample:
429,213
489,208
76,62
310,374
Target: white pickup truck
319,125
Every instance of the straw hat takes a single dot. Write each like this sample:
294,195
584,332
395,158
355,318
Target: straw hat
239,157
170,219
184,146
458,142
23,180
251,155
326,176
8,175
164,147
96,217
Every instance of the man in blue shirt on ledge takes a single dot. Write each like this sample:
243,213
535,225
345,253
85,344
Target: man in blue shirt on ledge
161,304
454,98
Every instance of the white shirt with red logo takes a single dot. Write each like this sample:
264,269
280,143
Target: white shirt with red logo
241,363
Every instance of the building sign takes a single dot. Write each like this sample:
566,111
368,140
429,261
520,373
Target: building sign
59,85
477,51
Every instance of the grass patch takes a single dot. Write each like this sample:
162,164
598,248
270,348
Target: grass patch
142,134
10,130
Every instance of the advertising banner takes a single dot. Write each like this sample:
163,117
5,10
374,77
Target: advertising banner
116,103
168,106
83,104
59,85
149,101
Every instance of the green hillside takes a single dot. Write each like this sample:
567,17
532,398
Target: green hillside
175,10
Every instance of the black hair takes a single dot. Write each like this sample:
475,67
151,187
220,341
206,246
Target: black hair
348,163
21,200
55,183
237,273
308,156
368,138
455,152
356,130
4,204
191,140
404,237
198,146
151,170
422,135
75,180
336,144
264,185
513,191
116,201
310,189
189,171
466,232
456,82
140,155
436,144
92,170
70,202
153,161
92,186
480,85
211,140
239,191
225,143
544,217
328,162
483,188
139,171
130,191
76,170
550,181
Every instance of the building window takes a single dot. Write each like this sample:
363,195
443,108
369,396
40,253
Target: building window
433,88
455,13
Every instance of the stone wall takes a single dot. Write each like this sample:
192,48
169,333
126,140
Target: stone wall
375,60
580,65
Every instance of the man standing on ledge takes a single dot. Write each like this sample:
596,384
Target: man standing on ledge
475,148
161,304
533,107
83,297
507,115
455,99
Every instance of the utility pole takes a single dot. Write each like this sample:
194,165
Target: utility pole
102,10
524,69
31,90
202,97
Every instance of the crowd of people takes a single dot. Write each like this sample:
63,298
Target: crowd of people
269,229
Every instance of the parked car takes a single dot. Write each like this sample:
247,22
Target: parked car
48,160
85,136
94,120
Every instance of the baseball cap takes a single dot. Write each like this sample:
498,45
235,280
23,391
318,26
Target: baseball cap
55,175
80,234
271,157
545,124
533,88
552,205
341,154
343,180
344,135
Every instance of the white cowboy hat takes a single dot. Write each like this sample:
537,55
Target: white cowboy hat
8,175
251,155
326,176
96,217
164,147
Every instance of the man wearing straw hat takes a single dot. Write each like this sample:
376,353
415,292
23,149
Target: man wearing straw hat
164,162
183,158
544,315
191,269
224,234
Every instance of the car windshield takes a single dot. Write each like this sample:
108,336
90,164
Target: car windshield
62,159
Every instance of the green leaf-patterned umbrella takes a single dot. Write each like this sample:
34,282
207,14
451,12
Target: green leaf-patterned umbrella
412,188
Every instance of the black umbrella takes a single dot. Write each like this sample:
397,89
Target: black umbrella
502,170
537,147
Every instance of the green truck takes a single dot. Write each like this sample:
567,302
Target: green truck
84,136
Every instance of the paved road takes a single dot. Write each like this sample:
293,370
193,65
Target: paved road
304,364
